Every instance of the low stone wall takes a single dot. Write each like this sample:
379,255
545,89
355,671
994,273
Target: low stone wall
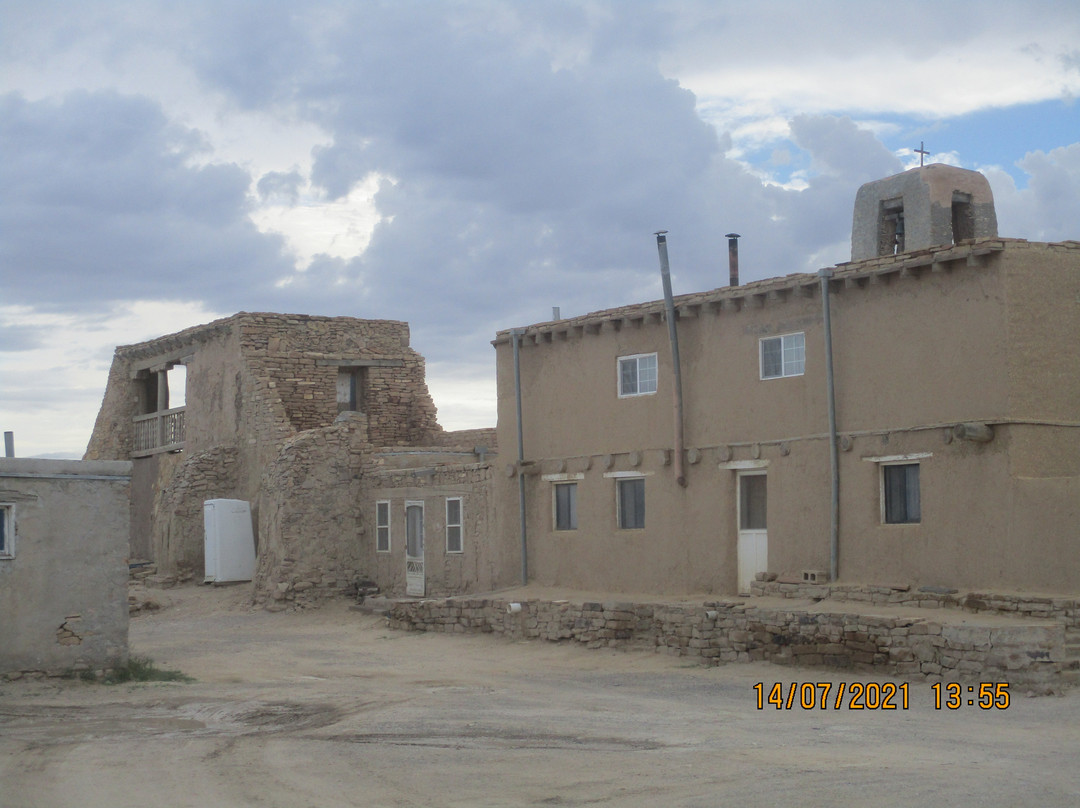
1027,653
1064,609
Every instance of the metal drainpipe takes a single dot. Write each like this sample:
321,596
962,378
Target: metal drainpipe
834,459
515,335
673,336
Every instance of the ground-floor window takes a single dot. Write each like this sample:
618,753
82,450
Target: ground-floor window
630,502
382,526
900,493
565,506
453,525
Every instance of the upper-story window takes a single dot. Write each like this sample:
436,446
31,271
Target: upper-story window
637,375
783,356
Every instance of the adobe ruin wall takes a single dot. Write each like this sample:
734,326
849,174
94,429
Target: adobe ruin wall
255,383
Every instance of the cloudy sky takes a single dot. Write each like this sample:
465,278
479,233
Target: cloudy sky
467,165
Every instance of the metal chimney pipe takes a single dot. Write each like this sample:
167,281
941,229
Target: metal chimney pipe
733,258
556,313
9,444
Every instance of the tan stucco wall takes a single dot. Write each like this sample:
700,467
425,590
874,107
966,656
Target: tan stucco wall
974,339
63,596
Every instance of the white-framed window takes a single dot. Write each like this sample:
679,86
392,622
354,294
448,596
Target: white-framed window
899,489
564,503
630,502
382,526
7,530
454,525
783,356
900,501
637,375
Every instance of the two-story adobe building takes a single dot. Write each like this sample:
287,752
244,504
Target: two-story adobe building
326,426
954,389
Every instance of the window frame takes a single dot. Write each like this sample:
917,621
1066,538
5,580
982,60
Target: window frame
459,525
379,526
7,537
637,374
573,515
885,498
785,372
883,462
619,482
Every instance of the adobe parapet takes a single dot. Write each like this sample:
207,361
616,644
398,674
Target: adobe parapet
728,300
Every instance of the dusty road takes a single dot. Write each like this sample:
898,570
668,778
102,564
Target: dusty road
329,708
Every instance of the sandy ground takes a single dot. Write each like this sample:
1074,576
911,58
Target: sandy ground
330,708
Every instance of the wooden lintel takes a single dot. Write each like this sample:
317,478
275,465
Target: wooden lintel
689,312
164,361
359,363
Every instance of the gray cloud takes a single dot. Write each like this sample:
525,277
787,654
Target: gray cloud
1048,209
279,187
15,338
529,151
101,203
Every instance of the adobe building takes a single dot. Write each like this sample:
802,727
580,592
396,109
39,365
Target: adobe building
912,416
63,566
296,415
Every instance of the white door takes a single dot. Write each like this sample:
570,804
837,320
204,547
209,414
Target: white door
753,537
414,549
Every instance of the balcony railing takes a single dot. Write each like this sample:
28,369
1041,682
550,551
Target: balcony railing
159,432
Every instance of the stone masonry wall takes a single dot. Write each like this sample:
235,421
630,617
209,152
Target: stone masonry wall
1064,609
113,433
291,355
1024,654
309,521
258,381
177,537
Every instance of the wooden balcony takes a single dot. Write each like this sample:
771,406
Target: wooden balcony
158,432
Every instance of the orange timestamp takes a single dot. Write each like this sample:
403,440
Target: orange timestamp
830,696
985,695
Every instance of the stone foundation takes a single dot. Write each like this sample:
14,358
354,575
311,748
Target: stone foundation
1029,653
1064,609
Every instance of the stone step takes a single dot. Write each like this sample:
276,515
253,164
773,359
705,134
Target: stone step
1070,678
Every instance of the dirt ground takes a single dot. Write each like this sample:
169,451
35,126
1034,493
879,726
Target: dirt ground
330,708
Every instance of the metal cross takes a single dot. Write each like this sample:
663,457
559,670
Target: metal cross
922,152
